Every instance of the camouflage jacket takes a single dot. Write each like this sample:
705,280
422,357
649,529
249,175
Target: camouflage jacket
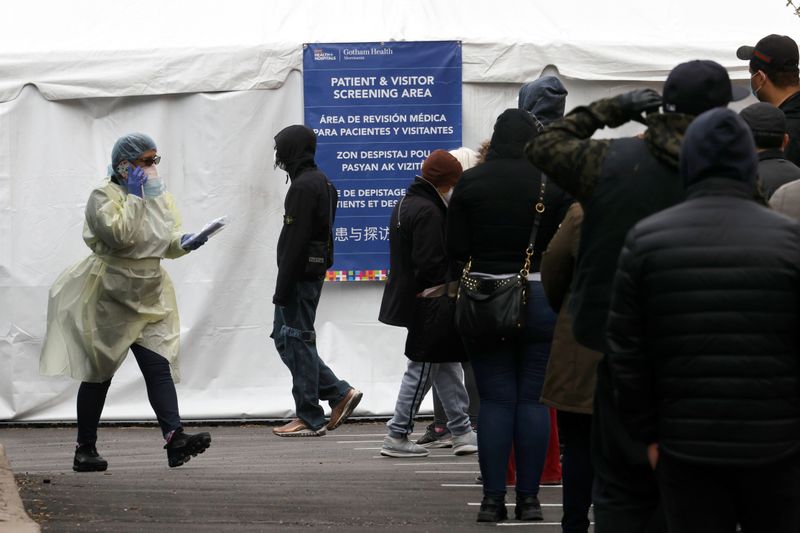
568,155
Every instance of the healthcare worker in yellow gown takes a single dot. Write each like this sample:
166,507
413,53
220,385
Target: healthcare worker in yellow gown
120,298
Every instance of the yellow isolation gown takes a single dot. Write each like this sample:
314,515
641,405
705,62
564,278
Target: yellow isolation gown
120,295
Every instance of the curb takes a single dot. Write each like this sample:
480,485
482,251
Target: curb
13,518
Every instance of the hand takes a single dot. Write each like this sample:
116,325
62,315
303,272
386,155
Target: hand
135,182
652,455
632,104
193,246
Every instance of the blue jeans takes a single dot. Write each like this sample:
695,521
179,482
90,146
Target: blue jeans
509,375
296,341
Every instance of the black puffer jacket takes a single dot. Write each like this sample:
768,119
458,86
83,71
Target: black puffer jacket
703,325
491,212
417,255
309,208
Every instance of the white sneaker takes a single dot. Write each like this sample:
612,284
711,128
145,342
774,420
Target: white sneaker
465,444
402,447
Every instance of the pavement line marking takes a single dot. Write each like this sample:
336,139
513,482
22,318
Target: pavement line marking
476,504
373,449
362,435
357,441
473,472
529,524
420,463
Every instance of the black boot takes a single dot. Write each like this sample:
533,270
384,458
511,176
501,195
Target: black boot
183,446
492,509
528,508
88,460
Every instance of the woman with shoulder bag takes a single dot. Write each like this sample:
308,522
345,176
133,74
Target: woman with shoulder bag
419,295
501,217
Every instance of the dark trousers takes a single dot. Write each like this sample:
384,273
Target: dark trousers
713,499
625,493
296,342
509,375
439,416
160,392
575,430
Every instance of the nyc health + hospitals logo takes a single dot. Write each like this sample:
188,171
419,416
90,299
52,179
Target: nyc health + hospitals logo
322,55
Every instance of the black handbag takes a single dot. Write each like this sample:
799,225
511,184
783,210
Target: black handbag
432,336
496,307
320,253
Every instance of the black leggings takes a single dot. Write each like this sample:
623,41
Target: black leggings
160,392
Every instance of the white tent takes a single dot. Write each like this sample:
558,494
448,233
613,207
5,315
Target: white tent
212,82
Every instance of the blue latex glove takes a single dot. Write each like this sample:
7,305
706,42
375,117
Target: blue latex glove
195,245
135,182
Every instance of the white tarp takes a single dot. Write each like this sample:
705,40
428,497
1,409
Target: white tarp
212,82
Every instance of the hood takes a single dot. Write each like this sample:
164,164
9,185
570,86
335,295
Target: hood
718,144
295,147
664,136
544,98
513,129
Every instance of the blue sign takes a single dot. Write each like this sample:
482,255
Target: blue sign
378,109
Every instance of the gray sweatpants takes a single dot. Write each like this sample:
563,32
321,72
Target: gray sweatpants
448,380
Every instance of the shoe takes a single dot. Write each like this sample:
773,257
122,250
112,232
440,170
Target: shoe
344,408
435,438
402,447
183,446
528,508
298,428
492,510
465,444
88,460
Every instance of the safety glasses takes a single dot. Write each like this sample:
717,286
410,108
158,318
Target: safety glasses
150,161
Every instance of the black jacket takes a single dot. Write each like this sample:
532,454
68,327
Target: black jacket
791,108
706,314
703,325
774,171
492,211
309,208
417,255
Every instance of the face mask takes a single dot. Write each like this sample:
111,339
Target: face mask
154,186
753,90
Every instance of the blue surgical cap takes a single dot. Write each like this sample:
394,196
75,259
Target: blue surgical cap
128,148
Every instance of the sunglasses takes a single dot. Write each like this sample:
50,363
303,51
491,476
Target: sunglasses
150,161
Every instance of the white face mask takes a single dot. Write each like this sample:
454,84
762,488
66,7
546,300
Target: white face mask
275,162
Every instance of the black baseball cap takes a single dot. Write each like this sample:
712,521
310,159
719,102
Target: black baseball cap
697,86
773,53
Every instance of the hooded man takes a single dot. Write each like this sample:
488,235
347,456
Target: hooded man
774,79
618,182
704,343
305,250
544,98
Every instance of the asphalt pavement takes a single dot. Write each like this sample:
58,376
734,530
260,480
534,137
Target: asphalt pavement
251,480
